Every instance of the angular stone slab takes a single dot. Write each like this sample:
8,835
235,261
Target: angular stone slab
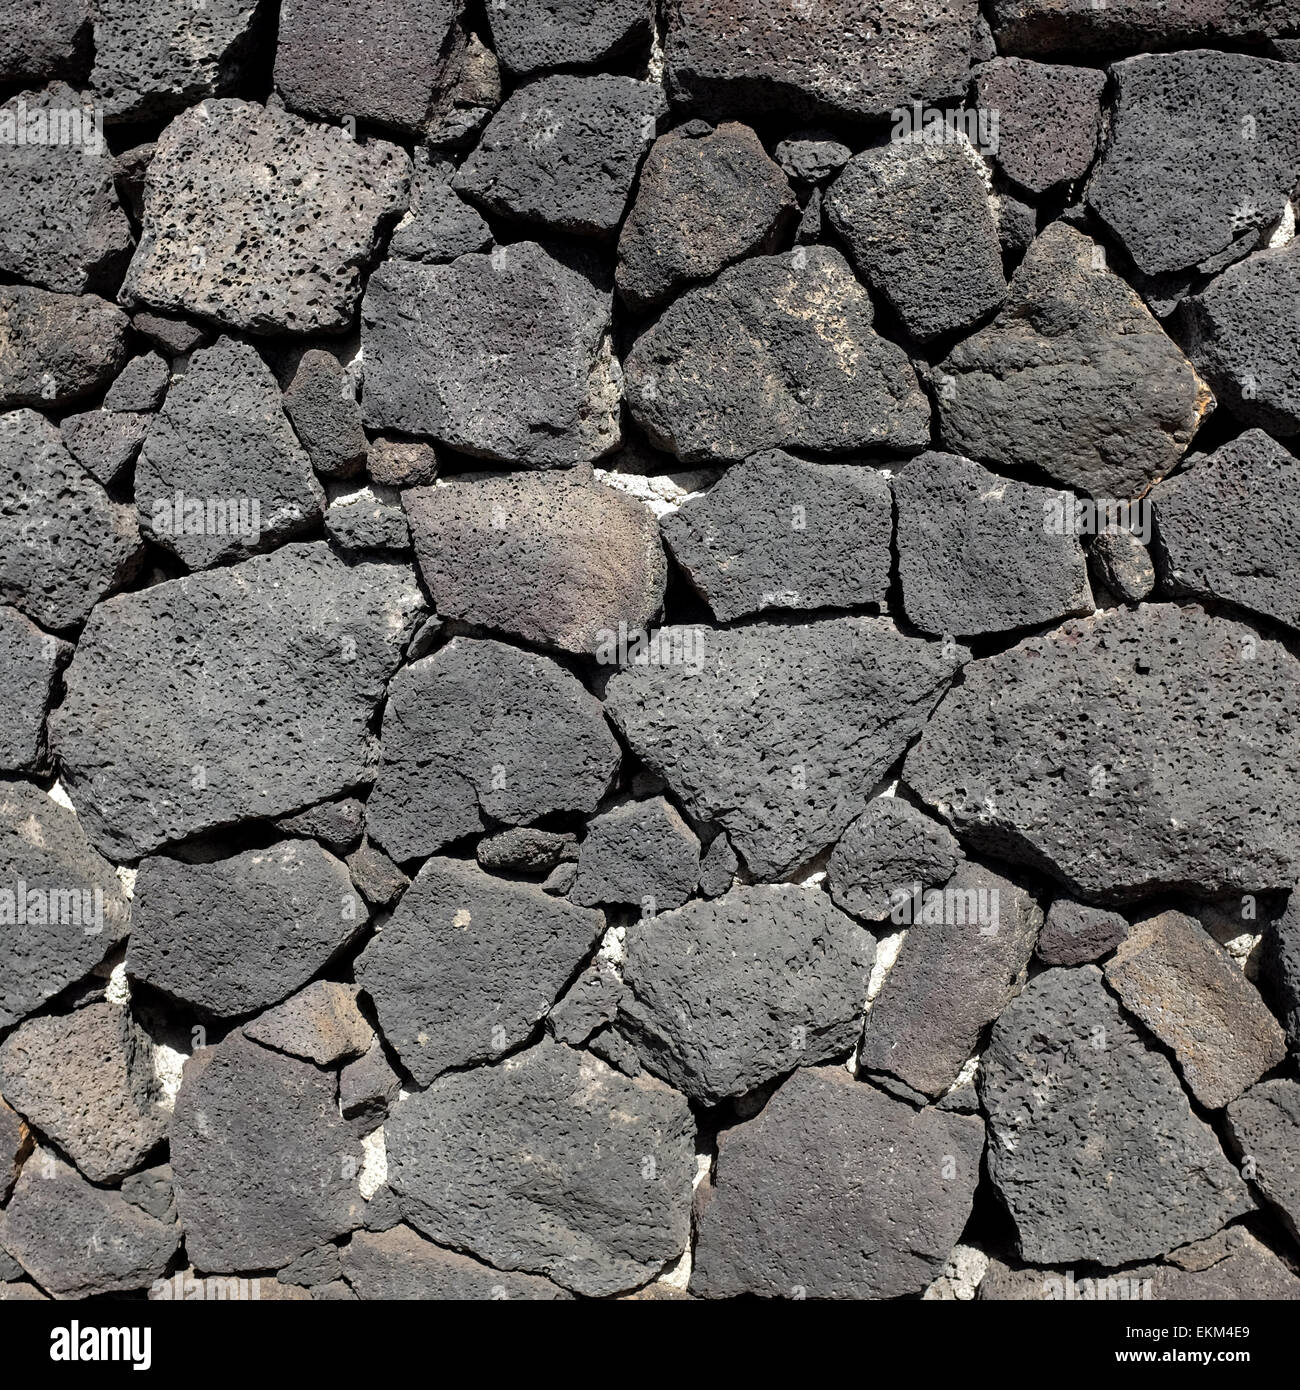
57,348
1265,1128
1075,933
43,39
321,1024
578,33
401,1264
891,845
642,854
103,443
30,661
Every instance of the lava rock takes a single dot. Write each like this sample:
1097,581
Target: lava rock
30,661
778,352
574,33
718,867
1110,804
1065,28
152,1191
142,385
1280,969
378,879
1265,1128
57,348
891,845
1075,933
38,40
811,157
706,198
524,850
368,1085
368,522
103,443
440,225
320,1024
464,1156
480,729
399,1264
778,532
1091,1133
1122,564
401,463
176,337
1049,118
237,693
15,1145
590,1005
640,853
321,405
254,259
918,224
836,1191
505,356
314,1269
336,824
1074,377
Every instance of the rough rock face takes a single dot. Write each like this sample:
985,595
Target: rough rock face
41,39
1067,27
15,1145
890,846
29,664
469,964
642,854
919,227
56,348
401,1264
1111,805
567,33
884,1192
524,850
321,1024
618,1155
1075,933
248,258
705,199
322,407
777,353
440,224
1122,564
592,552
778,532
1049,118
1280,969
288,655
1265,1127
785,774
480,729
1074,376
1066,1072
504,356
103,443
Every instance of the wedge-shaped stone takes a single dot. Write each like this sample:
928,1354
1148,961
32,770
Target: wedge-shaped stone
1265,1128
401,1264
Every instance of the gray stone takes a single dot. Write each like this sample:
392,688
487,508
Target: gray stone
237,934
85,1080
480,729
176,337
1280,969
129,171
571,33
151,1190
590,1005
440,225
104,444
253,259
558,560
57,348
563,152
1265,1128
890,846
918,224
791,968
368,521
812,156
30,661
1170,974
317,1267
1110,803
320,1023
505,356
142,385
1073,377
705,199
778,532
237,693
48,37
1093,1145
401,463
401,1265
524,850
464,1158
718,867
368,1085
778,352
1049,118
785,773
1122,564
559,882
469,964
1065,28
1075,933
377,878
809,230
15,1145
336,824
641,854
322,406
1017,224
836,1191
265,1167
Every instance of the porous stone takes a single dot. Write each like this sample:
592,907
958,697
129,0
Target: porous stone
1017,225
718,867
1049,118
15,1145
142,385
567,33
640,853
1093,1145
1110,804
176,337
320,1023
368,1085
400,1264
241,692
524,850
778,532
265,1167
589,1006
1264,1125
151,1190
1074,377
1122,564
30,661
336,824
705,199
314,1269
368,521
378,879
835,1191
129,171
479,729
1065,28
785,773
57,348
322,406
440,224
590,554
249,257
504,356
778,352
1280,969
918,224
976,552
812,156
891,845
1170,973
48,37
237,934
104,444
1075,933
401,463
463,1158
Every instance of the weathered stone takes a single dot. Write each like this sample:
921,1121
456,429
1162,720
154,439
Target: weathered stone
240,692
49,37
464,1159
1093,1145
851,58
74,911
1017,225
1109,802
1073,377
1204,150
577,176
504,356
705,199
1265,1128
469,964
56,348
1065,28
265,1167
812,156
142,385
130,169
15,1145
918,225
30,661
103,443
321,405
176,337
778,352
836,1191
321,1024
573,33
1280,969
400,1264
287,260
785,773
524,850
976,553
1169,973
560,880
1075,933
480,729
151,1190
317,1267
401,463
590,1005
718,867
385,61
891,845
336,824
640,853
368,521
237,934
85,1080
1049,118
590,554
778,532
378,879
440,225
1122,564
